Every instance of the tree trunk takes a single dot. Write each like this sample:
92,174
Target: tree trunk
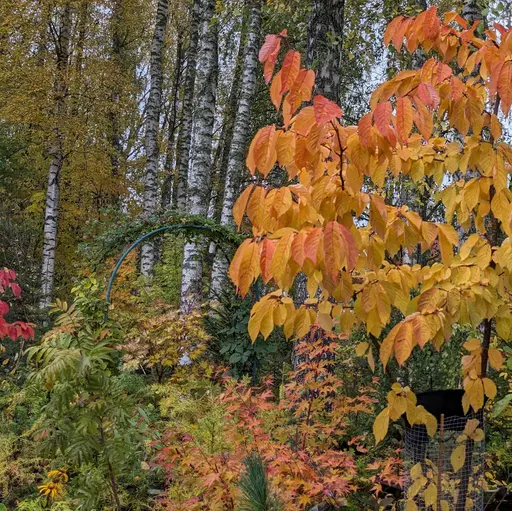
325,46
150,204
119,61
472,10
169,178
179,198
57,156
220,162
241,131
326,26
199,178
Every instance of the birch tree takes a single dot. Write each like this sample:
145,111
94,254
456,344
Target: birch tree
169,177
179,196
150,200
199,177
241,132
56,151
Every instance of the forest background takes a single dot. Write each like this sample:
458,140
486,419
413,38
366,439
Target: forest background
118,117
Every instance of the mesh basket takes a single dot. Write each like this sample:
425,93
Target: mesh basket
452,460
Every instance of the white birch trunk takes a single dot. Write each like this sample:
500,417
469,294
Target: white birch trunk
150,199
179,196
241,131
199,176
57,156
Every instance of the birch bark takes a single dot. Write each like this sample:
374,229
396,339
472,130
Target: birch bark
57,156
150,199
241,132
179,196
199,177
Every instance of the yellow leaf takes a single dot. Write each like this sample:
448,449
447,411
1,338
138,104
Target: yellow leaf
416,486
447,237
267,323
416,471
495,127
411,506
361,348
403,342
302,322
495,358
381,425
430,495
324,321
458,457
489,388
430,422
472,344
371,360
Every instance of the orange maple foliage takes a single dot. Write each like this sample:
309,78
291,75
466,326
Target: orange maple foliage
438,127
297,435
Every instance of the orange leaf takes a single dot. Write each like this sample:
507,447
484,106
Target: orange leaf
256,206
298,248
301,89
241,204
285,147
269,52
267,251
265,154
382,117
428,94
304,121
404,118
312,244
249,267
234,267
289,70
325,110
505,86
335,250
364,130
275,91
281,256
391,29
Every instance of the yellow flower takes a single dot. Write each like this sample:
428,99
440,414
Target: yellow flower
55,487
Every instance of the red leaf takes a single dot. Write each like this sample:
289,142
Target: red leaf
269,52
382,117
16,290
325,110
4,308
289,70
428,94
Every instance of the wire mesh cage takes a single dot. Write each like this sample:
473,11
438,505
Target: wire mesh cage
445,472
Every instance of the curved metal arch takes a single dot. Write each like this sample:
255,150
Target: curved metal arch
120,261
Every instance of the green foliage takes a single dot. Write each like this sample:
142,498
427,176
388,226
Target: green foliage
231,343
94,420
256,493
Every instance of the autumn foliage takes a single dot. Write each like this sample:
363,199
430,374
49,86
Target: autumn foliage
17,329
335,220
297,434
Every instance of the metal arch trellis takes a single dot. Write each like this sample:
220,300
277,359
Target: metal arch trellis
174,227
